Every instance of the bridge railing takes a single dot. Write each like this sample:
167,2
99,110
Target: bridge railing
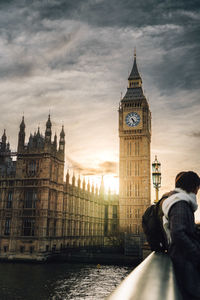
153,279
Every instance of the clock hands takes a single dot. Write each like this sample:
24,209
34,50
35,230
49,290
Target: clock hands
132,119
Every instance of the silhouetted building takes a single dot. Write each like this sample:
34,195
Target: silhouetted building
40,213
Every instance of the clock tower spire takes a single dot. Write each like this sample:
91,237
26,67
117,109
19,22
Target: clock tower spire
134,154
134,79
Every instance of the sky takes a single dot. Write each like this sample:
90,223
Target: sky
73,58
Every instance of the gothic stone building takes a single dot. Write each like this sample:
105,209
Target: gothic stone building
134,159
40,213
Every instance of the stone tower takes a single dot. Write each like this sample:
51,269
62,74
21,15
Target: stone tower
37,224
134,156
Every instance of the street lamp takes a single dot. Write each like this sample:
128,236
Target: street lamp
156,176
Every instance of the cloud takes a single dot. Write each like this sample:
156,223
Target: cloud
108,167
73,57
17,70
103,168
195,134
120,13
41,37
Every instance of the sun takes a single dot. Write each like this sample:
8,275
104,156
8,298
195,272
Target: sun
111,182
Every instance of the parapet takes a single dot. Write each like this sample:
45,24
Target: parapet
153,279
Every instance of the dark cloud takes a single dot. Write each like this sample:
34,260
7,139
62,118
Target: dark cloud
177,68
119,13
17,70
40,23
195,134
111,13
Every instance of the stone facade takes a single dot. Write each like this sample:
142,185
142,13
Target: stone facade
134,160
40,213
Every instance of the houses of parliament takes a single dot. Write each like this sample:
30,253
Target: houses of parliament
42,213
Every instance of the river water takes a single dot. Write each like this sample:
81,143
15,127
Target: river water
56,281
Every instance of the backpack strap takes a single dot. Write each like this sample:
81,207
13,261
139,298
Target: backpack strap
163,198
160,214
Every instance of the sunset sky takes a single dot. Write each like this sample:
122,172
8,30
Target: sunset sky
73,58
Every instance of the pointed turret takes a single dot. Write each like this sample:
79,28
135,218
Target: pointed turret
3,138
67,178
88,186
79,181
73,180
84,183
62,140
3,141
22,125
134,90
21,136
134,73
38,132
48,130
134,79
102,188
55,142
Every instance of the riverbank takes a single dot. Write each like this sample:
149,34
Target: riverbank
97,258
82,256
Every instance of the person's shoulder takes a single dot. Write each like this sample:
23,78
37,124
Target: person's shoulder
181,206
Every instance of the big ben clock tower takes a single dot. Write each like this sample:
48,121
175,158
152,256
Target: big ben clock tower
134,157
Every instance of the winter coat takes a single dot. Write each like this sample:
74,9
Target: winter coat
185,249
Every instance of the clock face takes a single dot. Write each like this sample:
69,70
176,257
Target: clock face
132,119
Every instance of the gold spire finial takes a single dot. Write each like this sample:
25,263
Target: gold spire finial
135,52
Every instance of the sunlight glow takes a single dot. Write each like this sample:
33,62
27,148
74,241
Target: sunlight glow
111,182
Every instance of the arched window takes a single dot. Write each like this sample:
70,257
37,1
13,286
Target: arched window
30,199
28,227
32,168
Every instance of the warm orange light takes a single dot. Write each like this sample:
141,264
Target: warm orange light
111,183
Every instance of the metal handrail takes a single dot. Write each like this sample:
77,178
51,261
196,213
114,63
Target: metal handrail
153,279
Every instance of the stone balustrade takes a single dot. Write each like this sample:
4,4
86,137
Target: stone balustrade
153,279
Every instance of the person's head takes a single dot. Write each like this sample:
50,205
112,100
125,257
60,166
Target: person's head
188,181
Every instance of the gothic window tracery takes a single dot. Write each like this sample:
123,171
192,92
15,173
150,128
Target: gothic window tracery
28,227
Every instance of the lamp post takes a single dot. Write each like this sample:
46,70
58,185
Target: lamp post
156,176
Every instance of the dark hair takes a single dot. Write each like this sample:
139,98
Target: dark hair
188,181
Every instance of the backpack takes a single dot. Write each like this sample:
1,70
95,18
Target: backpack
153,228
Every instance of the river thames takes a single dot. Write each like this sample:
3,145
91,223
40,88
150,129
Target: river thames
59,281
